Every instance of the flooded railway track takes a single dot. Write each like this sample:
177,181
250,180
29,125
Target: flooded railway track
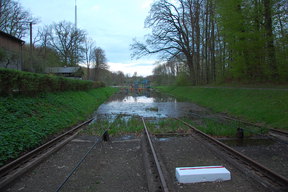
117,165
159,174
24,163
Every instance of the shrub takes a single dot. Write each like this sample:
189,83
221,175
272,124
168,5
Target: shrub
12,81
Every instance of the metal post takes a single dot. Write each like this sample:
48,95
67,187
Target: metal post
75,59
75,14
30,24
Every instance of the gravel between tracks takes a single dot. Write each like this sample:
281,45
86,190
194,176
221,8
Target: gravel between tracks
118,166
115,166
189,152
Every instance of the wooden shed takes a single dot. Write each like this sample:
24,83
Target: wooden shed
68,72
10,51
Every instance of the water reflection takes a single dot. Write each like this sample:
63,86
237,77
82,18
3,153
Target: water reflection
147,104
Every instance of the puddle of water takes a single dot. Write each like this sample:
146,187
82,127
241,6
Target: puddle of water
247,142
148,105
163,139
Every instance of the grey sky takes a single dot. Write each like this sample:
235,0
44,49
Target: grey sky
111,23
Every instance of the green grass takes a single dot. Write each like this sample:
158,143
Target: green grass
118,127
220,128
167,126
269,107
28,121
214,127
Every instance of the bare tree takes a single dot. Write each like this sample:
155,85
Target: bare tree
68,42
173,33
14,20
89,46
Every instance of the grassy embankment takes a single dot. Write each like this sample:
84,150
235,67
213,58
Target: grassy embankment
268,107
28,121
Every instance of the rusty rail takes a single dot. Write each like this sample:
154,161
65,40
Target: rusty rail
14,165
279,132
160,173
276,178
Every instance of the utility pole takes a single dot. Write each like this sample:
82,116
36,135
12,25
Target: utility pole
30,24
75,14
76,52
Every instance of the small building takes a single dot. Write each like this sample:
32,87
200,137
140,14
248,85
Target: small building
10,51
69,72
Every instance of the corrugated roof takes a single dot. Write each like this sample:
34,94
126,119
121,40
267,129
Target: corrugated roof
56,70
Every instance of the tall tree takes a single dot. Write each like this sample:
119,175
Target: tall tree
14,20
99,61
89,46
67,41
271,58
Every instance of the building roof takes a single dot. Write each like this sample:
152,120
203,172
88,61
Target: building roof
62,70
11,37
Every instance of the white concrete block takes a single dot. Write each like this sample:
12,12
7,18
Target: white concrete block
202,174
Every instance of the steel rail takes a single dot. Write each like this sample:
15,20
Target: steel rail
285,133
272,130
6,169
161,175
280,180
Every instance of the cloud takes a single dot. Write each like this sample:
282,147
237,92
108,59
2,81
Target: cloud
142,67
95,8
146,4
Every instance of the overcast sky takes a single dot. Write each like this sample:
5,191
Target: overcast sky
112,24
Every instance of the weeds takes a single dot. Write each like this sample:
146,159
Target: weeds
26,122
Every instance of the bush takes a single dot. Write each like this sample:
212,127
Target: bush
12,81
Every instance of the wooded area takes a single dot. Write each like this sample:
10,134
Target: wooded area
204,41
56,45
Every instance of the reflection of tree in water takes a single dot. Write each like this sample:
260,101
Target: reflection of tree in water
125,95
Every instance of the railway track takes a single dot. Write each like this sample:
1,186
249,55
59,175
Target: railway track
157,176
265,176
271,130
19,166
279,132
158,183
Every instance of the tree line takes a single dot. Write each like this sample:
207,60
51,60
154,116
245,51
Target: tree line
204,41
58,44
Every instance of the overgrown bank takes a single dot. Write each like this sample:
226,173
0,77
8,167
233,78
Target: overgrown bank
257,105
26,121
